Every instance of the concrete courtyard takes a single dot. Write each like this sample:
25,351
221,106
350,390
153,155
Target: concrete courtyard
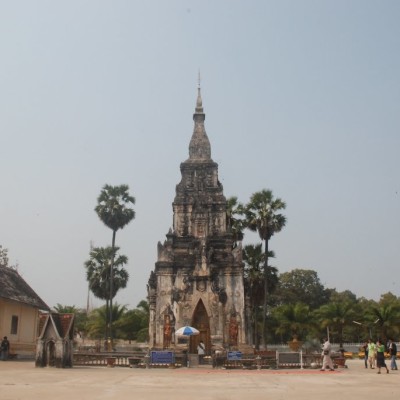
20,380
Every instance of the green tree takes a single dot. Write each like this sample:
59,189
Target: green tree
386,317
3,256
98,272
4,260
302,285
262,216
235,224
254,266
334,295
294,319
253,258
99,317
336,316
114,210
134,324
389,299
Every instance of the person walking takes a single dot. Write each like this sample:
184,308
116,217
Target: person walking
5,347
326,356
380,356
371,353
392,347
365,348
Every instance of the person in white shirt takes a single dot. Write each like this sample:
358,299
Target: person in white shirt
201,350
326,354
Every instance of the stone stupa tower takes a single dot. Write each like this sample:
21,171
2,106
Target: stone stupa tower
198,276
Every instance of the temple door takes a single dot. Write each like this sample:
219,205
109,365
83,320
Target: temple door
201,322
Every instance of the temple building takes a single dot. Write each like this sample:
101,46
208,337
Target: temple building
198,276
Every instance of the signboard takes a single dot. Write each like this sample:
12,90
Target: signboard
289,358
162,357
234,355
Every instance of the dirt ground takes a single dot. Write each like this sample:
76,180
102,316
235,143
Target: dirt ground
20,380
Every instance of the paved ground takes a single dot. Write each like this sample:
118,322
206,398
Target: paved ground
20,380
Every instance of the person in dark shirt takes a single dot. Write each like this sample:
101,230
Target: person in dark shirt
5,347
365,348
380,356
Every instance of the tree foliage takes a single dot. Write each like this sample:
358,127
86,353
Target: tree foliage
98,318
3,256
385,316
127,324
262,215
301,285
336,316
114,206
114,210
294,319
235,223
98,271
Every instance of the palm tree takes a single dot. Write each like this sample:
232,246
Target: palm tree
387,319
235,224
98,274
113,208
261,215
134,325
99,316
336,315
253,277
144,307
295,318
62,309
254,266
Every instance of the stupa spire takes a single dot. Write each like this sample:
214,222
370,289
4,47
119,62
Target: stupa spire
199,102
199,147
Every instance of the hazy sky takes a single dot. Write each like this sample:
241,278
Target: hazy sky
301,97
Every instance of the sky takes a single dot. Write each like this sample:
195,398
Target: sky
301,97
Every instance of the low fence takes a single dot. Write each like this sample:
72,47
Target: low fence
277,356
103,359
350,347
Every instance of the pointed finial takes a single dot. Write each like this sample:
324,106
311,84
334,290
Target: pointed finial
199,102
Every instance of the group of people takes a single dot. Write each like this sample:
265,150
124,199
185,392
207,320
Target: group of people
374,355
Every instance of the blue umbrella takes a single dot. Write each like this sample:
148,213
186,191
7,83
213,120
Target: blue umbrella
186,331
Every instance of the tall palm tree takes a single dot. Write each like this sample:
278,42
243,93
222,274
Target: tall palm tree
253,258
254,266
114,210
262,216
98,273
